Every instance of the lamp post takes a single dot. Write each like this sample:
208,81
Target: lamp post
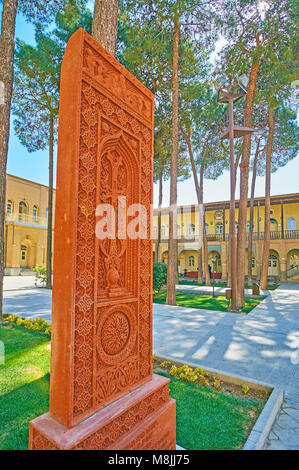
231,93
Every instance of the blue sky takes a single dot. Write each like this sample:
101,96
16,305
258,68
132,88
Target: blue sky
34,166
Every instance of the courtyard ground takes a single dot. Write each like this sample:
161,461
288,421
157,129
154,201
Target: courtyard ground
263,345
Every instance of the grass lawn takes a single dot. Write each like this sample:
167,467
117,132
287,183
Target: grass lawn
210,420
24,383
207,302
221,284
206,419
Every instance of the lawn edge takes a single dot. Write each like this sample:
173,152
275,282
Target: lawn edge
263,424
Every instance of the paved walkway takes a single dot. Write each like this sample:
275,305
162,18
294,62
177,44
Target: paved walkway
22,297
263,345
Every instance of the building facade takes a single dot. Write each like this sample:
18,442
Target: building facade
26,224
284,236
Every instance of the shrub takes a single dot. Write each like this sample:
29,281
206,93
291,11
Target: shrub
198,371
40,274
204,381
165,364
36,325
159,276
216,384
245,389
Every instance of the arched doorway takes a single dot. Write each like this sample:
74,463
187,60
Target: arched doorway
164,257
216,266
24,257
273,263
27,254
293,260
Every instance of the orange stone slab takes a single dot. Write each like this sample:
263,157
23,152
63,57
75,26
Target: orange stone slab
102,287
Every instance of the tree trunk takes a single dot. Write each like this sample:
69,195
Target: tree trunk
201,226
250,235
172,243
105,23
50,206
206,253
244,174
199,194
7,46
266,245
159,215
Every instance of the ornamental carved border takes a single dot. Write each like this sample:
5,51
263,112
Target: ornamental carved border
113,326
114,429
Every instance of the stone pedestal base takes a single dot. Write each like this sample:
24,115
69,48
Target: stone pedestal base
144,419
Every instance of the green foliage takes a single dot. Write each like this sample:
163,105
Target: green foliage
206,302
37,76
24,383
40,274
159,276
39,324
36,91
245,389
210,419
165,364
187,374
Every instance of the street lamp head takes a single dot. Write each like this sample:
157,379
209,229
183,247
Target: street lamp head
231,91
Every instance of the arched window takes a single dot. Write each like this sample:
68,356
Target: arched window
207,229
163,231
191,229
35,212
22,210
9,207
191,261
219,228
155,232
272,261
292,223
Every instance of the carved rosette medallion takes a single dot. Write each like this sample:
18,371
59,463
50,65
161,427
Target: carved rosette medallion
116,334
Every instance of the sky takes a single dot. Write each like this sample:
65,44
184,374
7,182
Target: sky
34,166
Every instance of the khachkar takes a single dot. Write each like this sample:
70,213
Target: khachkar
103,394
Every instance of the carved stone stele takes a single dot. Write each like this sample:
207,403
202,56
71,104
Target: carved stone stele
102,390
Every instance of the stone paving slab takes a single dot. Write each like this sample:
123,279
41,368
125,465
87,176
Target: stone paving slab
260,345
22,297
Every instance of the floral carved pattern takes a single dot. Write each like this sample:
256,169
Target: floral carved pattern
115,333
112,352
115,428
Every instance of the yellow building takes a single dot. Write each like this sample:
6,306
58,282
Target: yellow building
284,247
25,238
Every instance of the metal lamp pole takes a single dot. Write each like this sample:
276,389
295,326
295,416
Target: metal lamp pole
232,212
231,94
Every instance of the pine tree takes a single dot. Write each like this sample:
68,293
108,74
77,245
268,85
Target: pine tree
35,11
